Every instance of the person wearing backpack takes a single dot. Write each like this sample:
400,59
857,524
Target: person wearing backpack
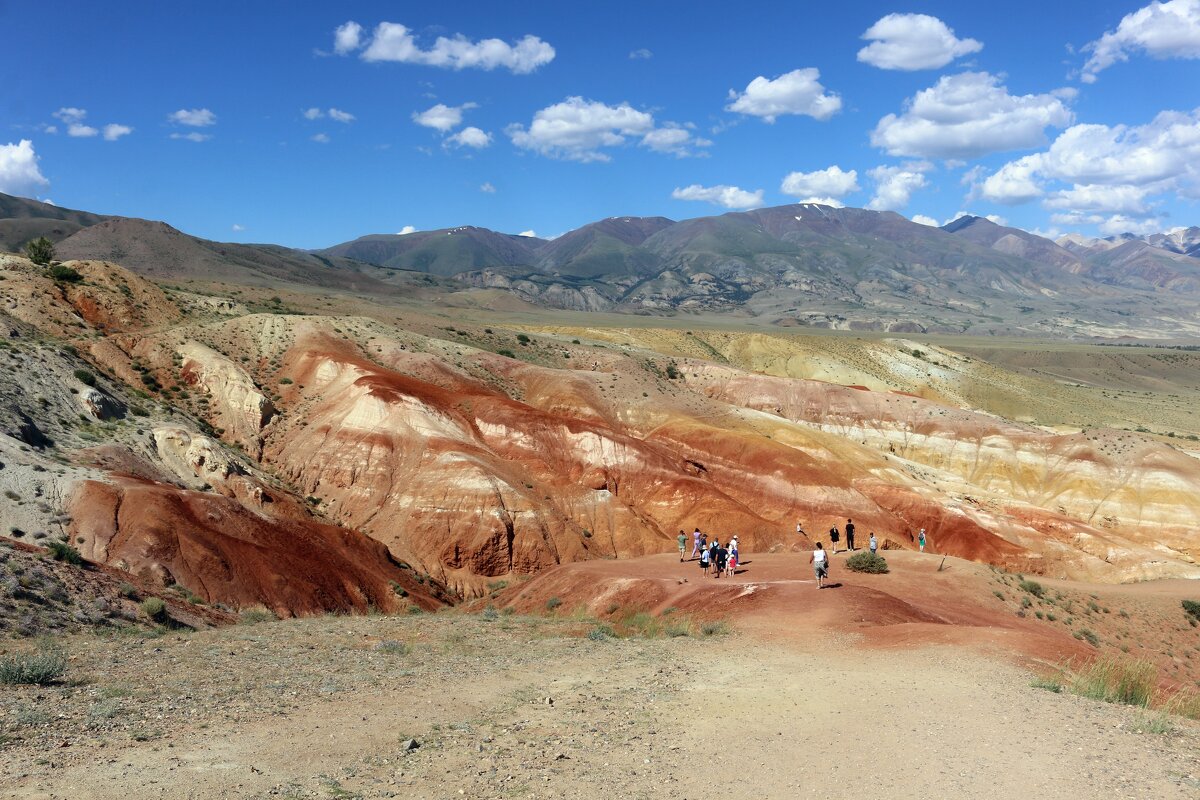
850,535
722,558
833,539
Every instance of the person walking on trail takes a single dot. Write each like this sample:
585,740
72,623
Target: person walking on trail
820,561
704,560
833,539
682,539
722,558
921,540
850,535
873,543
695,544
799,528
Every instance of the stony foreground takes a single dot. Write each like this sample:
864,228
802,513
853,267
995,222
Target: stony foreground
510,706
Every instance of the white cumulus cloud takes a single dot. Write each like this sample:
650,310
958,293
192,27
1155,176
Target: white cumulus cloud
640,54
578,129
727,196
407,229
238,228
1160,30
70,114
1112,169
347,38
313,113
195,117
392,41
19,172
337,115
321,138
113,132
796,92
81,131
921,219
192,137
1119,198
912,42
487,188
471,137
969,115
442,117
821,185
530,233
674,139
894,186
1013,183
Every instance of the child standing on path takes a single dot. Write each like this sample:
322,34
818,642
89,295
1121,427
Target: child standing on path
820,561
872,543
921,540
704,561
682,538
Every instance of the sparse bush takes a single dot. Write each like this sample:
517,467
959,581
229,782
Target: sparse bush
41,667
40,251
85,377
61,551
286,381
867,562
490,614
127,591
719,627
1131,682
1190,607
254,616
1033,587
391,647
155,609
553,603
64,274
1052,683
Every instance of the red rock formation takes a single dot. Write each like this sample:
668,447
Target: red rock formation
225,553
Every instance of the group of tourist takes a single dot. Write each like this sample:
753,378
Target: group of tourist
715,558
719,559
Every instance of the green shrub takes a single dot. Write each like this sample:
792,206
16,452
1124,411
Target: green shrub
1190,607
1033,587
85,377
127,591
40,251
155,609
720,627
64,274
867,562
285,381
553,603
392,647
1117,681
43,666
61,551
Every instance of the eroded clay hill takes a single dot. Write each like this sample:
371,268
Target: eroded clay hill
467,452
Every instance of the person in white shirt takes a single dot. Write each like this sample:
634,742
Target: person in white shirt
820,561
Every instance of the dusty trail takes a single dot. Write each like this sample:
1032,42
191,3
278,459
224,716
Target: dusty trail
727,716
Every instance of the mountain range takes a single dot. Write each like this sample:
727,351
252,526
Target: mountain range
799,265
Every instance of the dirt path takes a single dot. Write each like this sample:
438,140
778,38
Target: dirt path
690,717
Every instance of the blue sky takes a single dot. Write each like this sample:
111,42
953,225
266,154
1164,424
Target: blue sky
543,116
